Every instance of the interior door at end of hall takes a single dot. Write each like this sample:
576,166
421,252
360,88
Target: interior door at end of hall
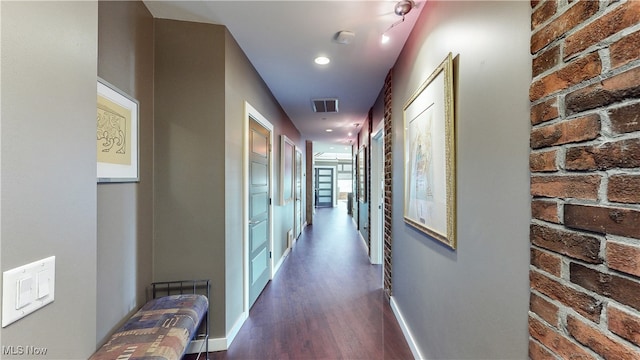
259,220
324,187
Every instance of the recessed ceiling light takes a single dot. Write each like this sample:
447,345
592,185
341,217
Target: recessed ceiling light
385,39
329,130
322,60
349,134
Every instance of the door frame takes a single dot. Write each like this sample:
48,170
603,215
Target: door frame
376,206
251,112
298,222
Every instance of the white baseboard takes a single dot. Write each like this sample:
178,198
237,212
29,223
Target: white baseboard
405,330
218,344
280,262
236,328
364,241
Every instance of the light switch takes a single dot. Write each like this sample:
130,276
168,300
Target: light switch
25,286
43,283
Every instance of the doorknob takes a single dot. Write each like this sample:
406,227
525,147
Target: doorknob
251,222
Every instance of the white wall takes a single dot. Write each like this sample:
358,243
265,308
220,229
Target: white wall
471,303
48,170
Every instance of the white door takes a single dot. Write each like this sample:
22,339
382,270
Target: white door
377,197
259,229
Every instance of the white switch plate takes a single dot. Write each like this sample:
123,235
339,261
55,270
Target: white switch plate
27,288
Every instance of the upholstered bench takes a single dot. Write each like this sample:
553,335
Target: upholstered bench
160,330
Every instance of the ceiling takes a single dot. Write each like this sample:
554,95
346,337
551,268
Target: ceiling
282,39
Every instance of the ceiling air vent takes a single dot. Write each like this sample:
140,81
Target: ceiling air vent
325,105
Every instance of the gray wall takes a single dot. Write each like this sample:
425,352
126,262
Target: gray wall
48,171
202,81
471,303
125,211
189,167
242,83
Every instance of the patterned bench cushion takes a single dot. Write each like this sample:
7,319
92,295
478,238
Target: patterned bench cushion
160,330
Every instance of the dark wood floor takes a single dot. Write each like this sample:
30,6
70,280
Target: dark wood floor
326,302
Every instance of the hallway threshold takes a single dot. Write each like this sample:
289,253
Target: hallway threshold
325,302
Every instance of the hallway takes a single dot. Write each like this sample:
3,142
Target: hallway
326,302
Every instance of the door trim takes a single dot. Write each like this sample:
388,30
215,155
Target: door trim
376,206
298,221
250,111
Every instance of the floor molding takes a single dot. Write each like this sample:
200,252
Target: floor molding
280,262
364,242
405,330
218,344
236,328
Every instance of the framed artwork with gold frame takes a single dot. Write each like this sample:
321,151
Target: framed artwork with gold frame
430,158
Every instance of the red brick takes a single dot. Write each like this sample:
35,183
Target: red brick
625,119
546,261
577,14
623,257
543,13
625,50
624,324
624,189
577,246
545,309
622,290
543,161
539,352
545,210
544,111
545,61
569,131
617,88
584,304
621,154
605,220
617,20
577,186
574,73
555,341
602,344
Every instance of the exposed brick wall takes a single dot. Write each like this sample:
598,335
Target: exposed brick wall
388,176
585,180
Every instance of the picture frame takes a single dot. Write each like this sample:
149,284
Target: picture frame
117,135
430,156
362,174
287,149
